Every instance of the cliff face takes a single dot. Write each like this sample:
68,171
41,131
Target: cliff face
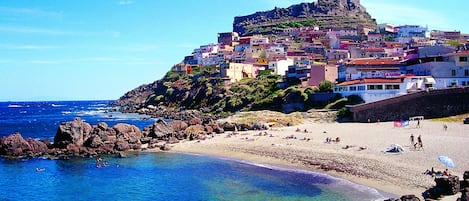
324,13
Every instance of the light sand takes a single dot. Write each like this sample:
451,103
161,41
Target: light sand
396,174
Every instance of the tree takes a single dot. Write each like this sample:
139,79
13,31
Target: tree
325,86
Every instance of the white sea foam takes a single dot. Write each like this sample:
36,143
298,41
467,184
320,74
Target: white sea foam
15,106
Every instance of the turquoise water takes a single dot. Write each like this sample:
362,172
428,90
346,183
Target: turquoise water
147,176
167,176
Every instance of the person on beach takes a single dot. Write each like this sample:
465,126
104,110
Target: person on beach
419,142
418,123
412,142
445,127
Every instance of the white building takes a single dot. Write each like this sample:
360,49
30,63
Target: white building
375,89
280,67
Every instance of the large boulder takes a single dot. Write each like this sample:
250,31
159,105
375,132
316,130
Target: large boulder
448,185
178,125
122,145
195,131
14,145
74,132
129,134
161,130
37,147
94,141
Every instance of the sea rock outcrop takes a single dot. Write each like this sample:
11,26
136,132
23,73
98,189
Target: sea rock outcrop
14,145
74,132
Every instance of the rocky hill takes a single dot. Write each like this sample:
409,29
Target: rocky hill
203,91
324,13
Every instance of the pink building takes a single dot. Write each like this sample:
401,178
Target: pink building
322,72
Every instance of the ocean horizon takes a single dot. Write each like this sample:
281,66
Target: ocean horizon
147,176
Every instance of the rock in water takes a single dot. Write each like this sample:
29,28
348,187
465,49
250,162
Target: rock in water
14,145
74,132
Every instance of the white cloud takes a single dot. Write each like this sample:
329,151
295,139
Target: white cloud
124,2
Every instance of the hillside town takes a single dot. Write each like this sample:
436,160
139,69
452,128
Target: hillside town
373,64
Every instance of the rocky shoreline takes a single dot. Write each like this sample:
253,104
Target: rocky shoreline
78,138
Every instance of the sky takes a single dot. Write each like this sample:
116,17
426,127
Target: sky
98,50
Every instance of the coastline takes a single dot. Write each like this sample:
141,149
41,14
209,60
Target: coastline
395,174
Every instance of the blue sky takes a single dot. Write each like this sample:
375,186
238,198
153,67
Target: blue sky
96,50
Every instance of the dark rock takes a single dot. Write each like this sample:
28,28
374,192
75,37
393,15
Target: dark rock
37,147
409,198
194,121
448,185
227,126
48,144
208,129
464,194
73,149
14,145
173,140
165,147
160,130
122,154
466,175
94,141
178,125
195,131
102,126
122,145
129,134
74,132
335,12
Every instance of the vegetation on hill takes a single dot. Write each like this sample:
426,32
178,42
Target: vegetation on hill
204,91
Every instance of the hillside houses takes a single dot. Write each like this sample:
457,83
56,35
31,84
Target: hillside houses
390,60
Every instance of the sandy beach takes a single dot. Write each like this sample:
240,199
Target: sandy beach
362,161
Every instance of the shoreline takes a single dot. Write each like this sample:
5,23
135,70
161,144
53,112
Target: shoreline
392,174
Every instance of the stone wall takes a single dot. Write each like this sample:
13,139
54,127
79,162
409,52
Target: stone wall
430,104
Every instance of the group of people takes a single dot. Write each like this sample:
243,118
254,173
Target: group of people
101,163
329,140
418,144
299,130
434,173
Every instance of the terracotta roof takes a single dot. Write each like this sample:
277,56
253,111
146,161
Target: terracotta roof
371,80
373,61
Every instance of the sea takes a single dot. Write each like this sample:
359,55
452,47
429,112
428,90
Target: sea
148,176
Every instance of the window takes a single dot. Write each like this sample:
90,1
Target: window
466,72
361,88
453,72
375,87
392,87
463,83
353,88
462,59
